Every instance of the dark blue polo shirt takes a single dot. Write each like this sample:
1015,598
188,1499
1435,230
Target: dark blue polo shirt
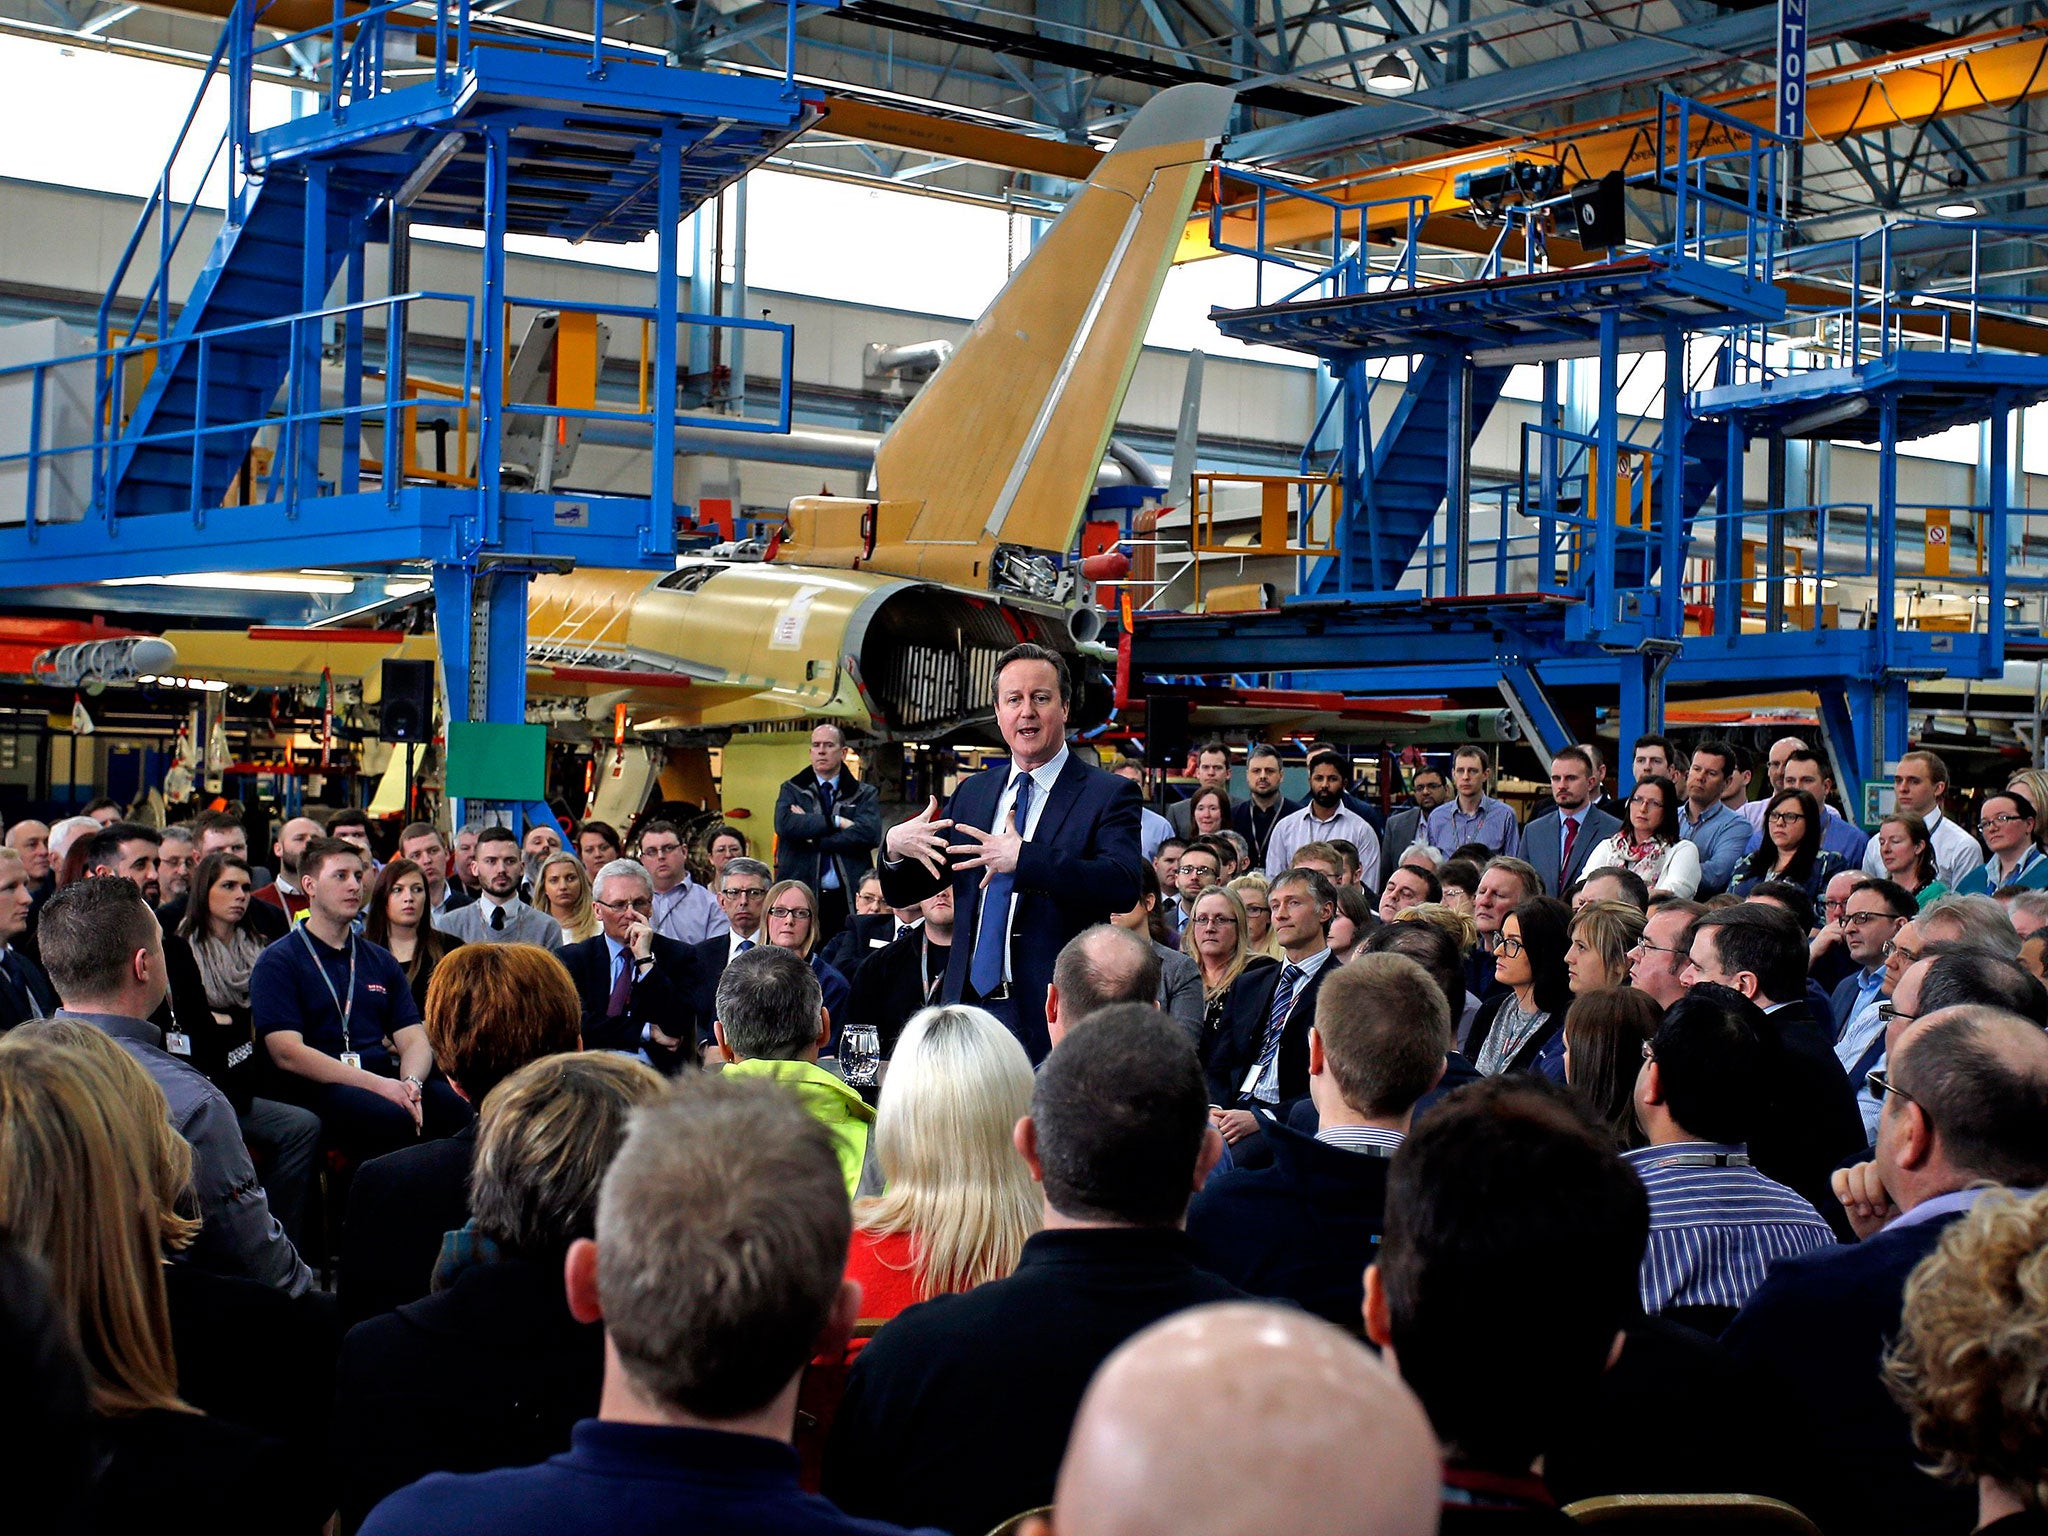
287,992
628,1480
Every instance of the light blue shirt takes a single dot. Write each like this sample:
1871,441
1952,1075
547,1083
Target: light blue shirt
1043,777
1153,829
1721,837
1864,1028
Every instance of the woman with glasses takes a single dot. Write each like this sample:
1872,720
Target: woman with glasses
1522,1029
2006,823
1217,938
1791,849
398,914
1650,844
1906,849
1604,935
563,893
1252,892
792,924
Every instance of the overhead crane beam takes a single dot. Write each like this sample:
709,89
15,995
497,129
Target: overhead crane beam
1996,69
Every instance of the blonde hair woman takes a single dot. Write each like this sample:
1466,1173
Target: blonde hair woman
1254,896
1455,921
1970,1364
80,1188
563,893
959,1199
1216,937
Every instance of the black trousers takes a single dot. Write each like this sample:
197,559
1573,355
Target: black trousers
362,1125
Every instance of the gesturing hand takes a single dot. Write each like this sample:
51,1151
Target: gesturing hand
995,853
922,838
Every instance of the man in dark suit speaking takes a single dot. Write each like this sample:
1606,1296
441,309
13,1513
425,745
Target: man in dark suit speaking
1036,850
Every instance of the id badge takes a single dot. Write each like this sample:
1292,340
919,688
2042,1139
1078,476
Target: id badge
1251,1078
177,1044
352,1059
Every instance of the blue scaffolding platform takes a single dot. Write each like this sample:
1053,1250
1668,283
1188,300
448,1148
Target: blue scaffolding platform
1622,557
214,441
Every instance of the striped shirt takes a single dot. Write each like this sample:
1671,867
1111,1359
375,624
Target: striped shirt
1716,1224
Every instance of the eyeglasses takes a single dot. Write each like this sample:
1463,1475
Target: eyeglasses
1857,919
2004,818
1785,818
1888,1011
1880,1084
644,907
1650,800
1645,947
1255,907
789,914
1833,903
744,893
1213,920
1894,947
1512,947
1198,869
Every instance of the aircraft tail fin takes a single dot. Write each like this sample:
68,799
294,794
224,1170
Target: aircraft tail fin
1003,445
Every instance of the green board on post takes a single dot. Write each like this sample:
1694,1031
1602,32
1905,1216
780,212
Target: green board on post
487,761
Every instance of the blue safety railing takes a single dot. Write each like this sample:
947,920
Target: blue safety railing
1346,267
1887,304
299,430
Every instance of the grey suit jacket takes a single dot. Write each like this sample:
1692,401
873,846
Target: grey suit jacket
523,925
1180,989
1541,844
1402,829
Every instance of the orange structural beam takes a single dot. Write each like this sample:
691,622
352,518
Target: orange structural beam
1994,69
956,139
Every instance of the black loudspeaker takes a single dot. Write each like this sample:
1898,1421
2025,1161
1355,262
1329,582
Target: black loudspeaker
1599,212
1166,732
406,712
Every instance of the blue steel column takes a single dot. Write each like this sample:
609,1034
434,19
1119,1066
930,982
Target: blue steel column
1608,436
668,215
302,471
350,480
1358,505
1887,526
1992,541
1671,542
491,326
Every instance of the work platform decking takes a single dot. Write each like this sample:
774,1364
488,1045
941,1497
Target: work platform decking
267,415
1622,557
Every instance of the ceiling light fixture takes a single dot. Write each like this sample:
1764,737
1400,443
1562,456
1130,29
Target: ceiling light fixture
1390,77
235,581
1955,208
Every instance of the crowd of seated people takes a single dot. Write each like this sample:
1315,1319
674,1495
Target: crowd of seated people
1433,1171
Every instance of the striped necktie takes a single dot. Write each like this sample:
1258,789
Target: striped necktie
1276,1020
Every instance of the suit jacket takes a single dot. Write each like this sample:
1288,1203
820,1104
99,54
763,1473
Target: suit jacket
1244,1031
711,957
1842,1002
14,999
1543,841
1180,990
1810,1121
1303,1228
957,1414
1080,866
1403,827
400,1205
1815,1331
666,997
865,936
805,837
490,1372
889,988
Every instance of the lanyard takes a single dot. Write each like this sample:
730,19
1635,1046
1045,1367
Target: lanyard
1703,1160
320,968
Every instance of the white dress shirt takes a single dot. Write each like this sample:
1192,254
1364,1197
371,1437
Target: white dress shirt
1043,777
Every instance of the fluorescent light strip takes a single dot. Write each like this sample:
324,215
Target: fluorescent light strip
234,581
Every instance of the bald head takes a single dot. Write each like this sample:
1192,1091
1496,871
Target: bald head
1100,966
1242,1419
1970,1103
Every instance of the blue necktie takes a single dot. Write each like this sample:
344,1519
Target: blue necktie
1276,1021
992,932
825,798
